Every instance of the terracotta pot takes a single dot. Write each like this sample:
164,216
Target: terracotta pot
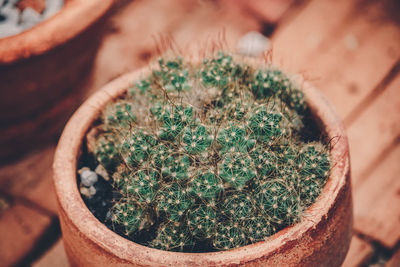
42,66
321,239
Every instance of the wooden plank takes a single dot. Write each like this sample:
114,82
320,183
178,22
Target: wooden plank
377,202
360,251
358,60
132,43
295,43
20,228
374,131
129,47
31,179
339,53
196,32
55,256
267,11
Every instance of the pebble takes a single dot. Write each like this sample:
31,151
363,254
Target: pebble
52,7
253,44
88,177
88,191
84,191
92,190
100,170
108,216
14,21
29,18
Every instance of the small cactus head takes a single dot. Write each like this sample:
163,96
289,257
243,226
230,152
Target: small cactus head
229,235
173,201
202,221
173,236
206,185
209,154
128,215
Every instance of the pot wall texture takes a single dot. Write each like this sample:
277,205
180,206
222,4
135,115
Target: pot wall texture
42,72
322,238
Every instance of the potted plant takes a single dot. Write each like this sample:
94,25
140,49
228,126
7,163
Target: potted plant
39,69
223,162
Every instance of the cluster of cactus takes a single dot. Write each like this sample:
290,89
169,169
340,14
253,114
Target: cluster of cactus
209,153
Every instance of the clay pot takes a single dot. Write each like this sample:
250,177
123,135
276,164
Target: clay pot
42,70
321,239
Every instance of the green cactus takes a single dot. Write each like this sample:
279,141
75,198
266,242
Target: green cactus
238,206
129,215
107,151
174,201
202,221
141,185
174,119
258,227
137,148
237,169
206,185
173,236
172,75
209,154
197,139
229,235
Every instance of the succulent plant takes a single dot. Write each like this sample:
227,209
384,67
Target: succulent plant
210,154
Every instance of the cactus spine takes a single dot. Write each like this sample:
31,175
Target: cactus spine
210,154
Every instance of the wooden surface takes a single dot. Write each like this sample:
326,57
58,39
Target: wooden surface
349,49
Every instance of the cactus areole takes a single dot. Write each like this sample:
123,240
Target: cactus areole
208,156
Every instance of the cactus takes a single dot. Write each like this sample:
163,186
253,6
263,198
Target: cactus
209,154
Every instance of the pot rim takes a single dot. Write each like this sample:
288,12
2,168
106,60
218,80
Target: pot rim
74,17
71,203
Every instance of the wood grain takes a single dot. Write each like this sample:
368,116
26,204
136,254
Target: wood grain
377,202
345,47
55,256
298,42
374,131
360,251
20,228
339,53
31,178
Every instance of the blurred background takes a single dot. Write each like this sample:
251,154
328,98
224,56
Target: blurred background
350,49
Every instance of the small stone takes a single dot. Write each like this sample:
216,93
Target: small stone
108,216
92,191
19,15
29,18
8,30
85,191
52,7
9,3
253,44
11,15
88,177
9,25
100,170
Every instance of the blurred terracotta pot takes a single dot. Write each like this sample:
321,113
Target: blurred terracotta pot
321,239
42,69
